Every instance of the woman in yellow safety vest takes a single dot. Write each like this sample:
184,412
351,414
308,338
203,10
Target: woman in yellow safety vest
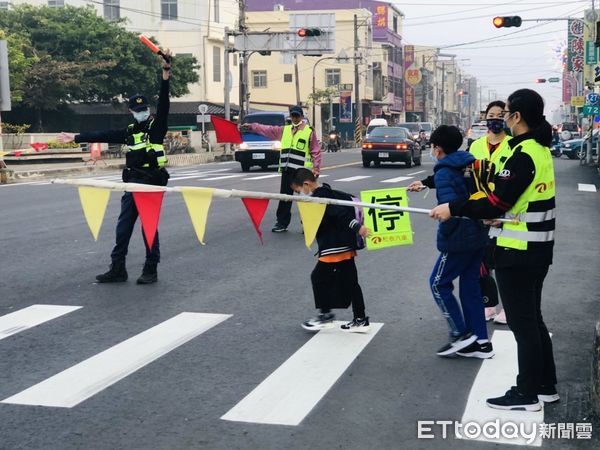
524,190
493,147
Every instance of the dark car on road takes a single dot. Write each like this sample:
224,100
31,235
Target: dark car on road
576,148
390,144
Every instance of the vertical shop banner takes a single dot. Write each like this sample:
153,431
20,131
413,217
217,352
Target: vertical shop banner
409,91
388,228
567,88
575,49
345,107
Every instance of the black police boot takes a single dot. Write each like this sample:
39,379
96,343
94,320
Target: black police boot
149,274
116,274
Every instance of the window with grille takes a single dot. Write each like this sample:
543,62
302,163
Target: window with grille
216,8
216,64
168,9
332,77
56,3
287,77
259,78
112,10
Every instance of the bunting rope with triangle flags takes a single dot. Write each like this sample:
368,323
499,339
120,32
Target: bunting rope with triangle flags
94,196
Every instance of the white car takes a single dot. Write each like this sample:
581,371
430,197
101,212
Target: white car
476,131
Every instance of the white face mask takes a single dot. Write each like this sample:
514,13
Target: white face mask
141,116
432,155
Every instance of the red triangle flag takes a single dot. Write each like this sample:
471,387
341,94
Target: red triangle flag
226,131
256,208
148,205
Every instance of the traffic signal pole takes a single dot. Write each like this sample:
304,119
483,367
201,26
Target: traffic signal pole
357,101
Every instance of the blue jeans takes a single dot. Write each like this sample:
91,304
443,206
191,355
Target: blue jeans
464,266
125,224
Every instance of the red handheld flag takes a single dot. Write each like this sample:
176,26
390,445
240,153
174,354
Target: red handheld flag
226,131
148,43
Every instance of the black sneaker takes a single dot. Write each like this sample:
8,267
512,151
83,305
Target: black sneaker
357,326
548,394
320,322
278,228
515,401
458,343
477,350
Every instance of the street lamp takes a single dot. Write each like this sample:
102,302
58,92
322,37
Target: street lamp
342,56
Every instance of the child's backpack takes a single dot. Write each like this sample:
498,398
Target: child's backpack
480,178
358,215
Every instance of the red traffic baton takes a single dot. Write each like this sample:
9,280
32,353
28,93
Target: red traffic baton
154,48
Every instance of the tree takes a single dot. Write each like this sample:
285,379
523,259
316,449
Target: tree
71,55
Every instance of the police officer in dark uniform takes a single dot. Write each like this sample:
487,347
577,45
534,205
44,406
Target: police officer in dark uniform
145,164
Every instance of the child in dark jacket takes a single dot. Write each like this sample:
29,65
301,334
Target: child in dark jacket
334,278
461,242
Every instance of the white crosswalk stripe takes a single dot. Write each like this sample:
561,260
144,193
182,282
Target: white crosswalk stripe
222,177
355,178
264,177
291,392
81,381
396,180
31,316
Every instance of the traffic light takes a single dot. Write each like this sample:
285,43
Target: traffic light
507,22
540,80
309,32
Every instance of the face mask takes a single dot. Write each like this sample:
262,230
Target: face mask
142,115
432,156
506,125
496,126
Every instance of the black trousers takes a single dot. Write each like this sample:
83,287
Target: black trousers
335,285
125,225
284,209
521,291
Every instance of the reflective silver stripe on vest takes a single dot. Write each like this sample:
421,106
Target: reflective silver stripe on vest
292,158
535,217
528,236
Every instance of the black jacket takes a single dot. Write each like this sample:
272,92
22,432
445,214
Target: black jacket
339,227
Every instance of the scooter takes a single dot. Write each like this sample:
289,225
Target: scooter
333,145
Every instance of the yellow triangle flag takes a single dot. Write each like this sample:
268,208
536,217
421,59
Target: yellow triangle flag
198,201
94,202
311,215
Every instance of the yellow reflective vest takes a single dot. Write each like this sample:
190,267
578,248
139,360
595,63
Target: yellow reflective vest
535,209
480,150
141,142
295,148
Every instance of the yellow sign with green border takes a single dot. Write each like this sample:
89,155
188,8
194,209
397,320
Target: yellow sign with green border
389,228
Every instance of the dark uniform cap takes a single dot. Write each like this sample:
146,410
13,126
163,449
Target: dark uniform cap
296,110
138,102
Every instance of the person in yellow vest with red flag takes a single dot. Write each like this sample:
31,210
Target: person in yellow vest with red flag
494,148
299,149
525,191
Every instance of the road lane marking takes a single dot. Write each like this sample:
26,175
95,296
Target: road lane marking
30,317
586,187
341,165
396,180
495,376
291,392
415,173
264,177
81,381
223,177
358,177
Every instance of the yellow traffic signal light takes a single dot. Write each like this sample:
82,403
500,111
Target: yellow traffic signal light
507,21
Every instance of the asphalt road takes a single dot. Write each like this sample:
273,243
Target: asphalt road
176,401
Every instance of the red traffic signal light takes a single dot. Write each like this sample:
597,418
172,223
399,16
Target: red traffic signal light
507,22
540,80
309,32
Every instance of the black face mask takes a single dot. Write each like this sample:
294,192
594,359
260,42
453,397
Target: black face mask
496,126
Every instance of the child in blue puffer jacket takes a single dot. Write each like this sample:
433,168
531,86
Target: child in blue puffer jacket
461,242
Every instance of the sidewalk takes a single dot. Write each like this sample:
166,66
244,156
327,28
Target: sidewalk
21,172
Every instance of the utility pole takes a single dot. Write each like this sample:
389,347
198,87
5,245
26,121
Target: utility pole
357,101
443,91
226,102
242,63
297,80
424,87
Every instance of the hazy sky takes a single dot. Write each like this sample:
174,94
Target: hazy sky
508,62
